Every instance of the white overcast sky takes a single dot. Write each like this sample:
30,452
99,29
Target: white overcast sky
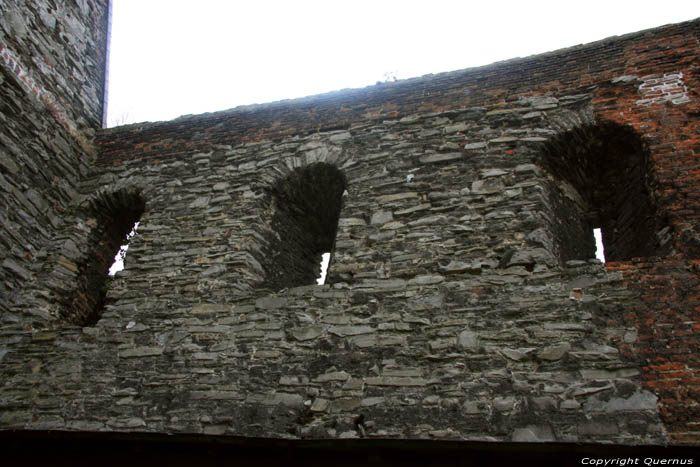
174,57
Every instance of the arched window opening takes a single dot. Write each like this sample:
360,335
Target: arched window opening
117,216
600,178
306,206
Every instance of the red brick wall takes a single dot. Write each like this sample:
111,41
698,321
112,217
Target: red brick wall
667,318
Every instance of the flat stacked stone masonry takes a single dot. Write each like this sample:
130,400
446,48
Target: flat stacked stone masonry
52,64
457,305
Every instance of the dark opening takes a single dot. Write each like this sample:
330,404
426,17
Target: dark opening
307,206
600,177
115,220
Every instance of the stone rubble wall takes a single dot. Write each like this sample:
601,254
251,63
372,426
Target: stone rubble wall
449,311
525,361
58,52
52,65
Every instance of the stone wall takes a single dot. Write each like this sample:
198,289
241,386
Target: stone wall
52,63
456,306
57,51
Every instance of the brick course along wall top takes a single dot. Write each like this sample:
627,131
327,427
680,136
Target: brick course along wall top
463,299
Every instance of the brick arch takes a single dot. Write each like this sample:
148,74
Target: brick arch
668,123
316,152
120,190
601,176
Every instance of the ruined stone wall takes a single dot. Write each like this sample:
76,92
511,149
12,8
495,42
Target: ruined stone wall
57,51
52,65
456,307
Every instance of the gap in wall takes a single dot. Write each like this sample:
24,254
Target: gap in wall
325,260
600,177
306,206
120,257
599,248
116,215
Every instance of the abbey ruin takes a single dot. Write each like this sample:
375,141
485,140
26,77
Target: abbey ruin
463,300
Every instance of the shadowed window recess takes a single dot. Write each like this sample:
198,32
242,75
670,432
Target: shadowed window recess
306,207
600,178
116,217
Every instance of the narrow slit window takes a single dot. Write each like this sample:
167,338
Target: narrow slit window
325,259
599,249
118,264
